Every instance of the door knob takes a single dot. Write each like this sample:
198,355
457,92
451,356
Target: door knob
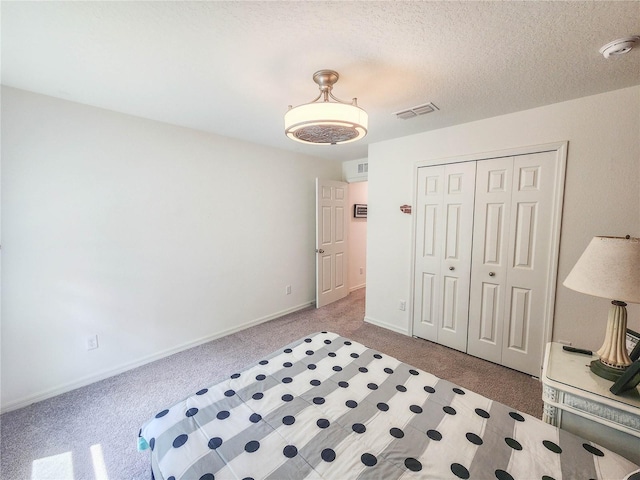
491,274
452,268
319,251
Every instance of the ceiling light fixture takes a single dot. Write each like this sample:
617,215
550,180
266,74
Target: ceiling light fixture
323,122
620,46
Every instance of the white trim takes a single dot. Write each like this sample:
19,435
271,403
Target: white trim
386,325
357,287
89,379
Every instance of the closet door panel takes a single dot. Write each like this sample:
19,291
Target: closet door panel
529,266
490,248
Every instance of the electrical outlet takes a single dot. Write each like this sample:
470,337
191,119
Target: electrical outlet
287,289
403,305
92,342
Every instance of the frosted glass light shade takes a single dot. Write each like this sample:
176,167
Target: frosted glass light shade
608,268
326,123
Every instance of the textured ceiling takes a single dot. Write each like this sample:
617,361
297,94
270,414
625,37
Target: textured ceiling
233,67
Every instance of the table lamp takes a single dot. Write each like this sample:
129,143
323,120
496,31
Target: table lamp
610,268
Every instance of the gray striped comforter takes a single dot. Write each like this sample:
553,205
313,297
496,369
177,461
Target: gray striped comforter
327,407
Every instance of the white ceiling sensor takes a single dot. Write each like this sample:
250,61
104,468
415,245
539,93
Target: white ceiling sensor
620,46
415,111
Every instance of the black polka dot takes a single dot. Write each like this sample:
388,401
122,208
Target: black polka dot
591,449
287,350
309,352
202,392
328,455
214,443
459,470
191,412
318,400
332,354
290,451
235,375
351,403
415,409
401,388
252,446
634,476
327,342
311,366
513,443
257,396
347,342
260,377
171,478
337,368
449,410
355,355
308,340
377,355
413,464
315,382
287,397
547,477
180,440
222,415
396,432
263,362
372,386
459,391
358,428
162,413
552,446
343,384
287,380
502,475
434,435
323,423
429,389
245,478
473,438
363,369
516,416
207,476
368,459
288,420
255,418
482,413
382,406
152,443
287,364
388,370
414,372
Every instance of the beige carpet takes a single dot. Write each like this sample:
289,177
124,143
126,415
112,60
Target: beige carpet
90,433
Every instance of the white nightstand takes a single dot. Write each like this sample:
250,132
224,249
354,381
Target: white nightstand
578,401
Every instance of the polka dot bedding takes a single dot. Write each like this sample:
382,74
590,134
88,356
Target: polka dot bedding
326,407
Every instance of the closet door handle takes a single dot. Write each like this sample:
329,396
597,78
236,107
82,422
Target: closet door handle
491,274
451,268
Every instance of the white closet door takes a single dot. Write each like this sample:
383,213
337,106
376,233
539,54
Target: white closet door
490,248
529,265
511,260
443,253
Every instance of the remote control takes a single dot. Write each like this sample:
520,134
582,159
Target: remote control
577,350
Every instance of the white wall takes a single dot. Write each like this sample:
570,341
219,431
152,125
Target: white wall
357,238
602,190
152,236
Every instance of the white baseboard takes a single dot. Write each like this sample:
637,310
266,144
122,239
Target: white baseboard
386,325
89,379
357,287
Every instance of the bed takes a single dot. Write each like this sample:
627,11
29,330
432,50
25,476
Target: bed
326,407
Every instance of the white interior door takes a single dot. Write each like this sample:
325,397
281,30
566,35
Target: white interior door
331,241
511,259
443,253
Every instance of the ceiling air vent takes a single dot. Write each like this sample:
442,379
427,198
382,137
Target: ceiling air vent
415,111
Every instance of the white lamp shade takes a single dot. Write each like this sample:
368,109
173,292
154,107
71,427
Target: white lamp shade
345,120
608,268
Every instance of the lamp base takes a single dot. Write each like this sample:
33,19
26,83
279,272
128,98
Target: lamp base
605,371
